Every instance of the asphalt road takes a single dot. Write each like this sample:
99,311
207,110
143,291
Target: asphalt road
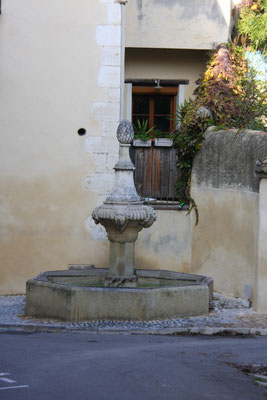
42,366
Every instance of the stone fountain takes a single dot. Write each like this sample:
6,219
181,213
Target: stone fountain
121,292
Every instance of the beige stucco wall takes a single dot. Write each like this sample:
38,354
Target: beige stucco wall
166,64
232,215
177,24
224,243
261,275
166,244
59,71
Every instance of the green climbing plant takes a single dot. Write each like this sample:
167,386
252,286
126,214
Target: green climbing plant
252,26
188,139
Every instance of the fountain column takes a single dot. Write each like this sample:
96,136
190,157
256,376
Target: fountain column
123,214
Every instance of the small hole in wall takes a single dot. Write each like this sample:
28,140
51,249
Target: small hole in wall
81,131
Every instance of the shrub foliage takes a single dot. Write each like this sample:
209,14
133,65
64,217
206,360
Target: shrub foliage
252,25
235,99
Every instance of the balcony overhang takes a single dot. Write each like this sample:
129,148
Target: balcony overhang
151,82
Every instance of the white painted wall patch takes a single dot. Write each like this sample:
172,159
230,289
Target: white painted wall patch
97,232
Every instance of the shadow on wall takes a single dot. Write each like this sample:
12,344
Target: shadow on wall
191,9
216,11
183,24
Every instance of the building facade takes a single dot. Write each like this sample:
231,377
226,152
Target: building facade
64,88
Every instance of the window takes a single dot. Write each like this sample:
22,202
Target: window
156,171
157,106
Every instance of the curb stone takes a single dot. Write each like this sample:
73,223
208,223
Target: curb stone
207,331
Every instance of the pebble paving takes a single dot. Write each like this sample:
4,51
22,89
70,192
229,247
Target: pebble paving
226,315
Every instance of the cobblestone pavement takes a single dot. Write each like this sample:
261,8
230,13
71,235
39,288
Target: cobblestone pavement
227,316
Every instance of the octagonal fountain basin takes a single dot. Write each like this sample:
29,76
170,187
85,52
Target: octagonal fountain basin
82,294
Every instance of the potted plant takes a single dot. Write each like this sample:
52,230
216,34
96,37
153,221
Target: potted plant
142,137
161,140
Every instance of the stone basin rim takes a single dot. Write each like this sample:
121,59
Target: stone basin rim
196,280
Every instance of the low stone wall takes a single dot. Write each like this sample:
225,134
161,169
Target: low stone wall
227,160
225,242
229,241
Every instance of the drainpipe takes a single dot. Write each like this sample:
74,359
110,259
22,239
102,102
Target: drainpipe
122,3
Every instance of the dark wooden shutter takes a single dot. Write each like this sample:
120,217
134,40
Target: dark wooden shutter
156,172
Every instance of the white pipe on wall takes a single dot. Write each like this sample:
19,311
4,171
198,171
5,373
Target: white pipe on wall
128,111
122,72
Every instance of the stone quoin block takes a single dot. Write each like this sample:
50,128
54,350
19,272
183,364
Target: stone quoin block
114,94
108,35
106,1
100,161
114,13
109,128
105,111
111,161
111,56
99,182
109,77
97,144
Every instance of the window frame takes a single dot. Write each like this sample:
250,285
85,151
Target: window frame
152,92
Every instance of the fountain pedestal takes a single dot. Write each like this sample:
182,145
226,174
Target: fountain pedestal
121,260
